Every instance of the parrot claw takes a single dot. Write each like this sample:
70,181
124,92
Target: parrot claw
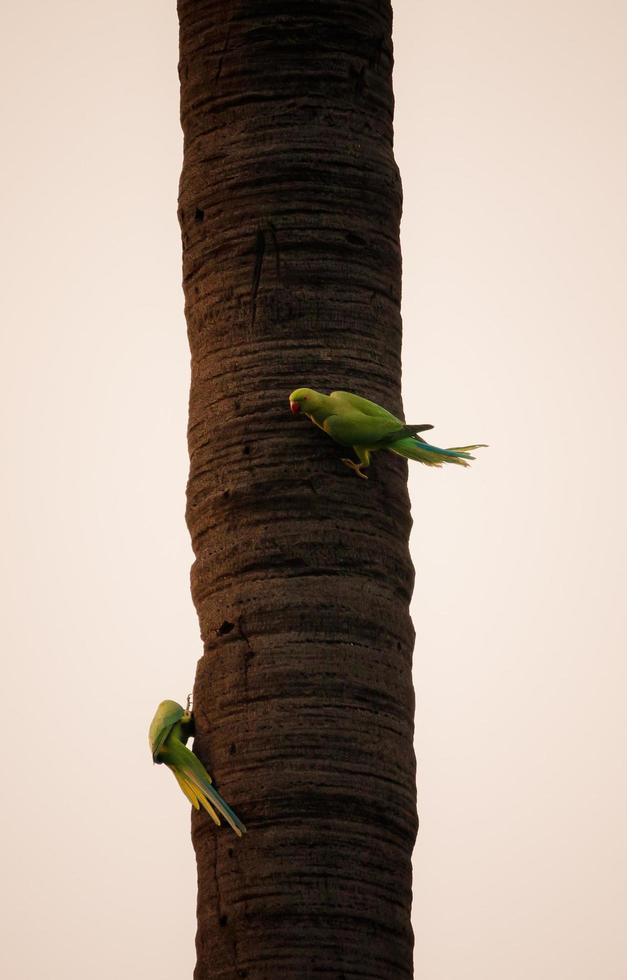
356,467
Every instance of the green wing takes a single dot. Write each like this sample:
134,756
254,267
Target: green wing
354,429
166,716
347,399
359,422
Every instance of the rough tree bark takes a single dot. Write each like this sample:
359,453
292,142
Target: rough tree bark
290,205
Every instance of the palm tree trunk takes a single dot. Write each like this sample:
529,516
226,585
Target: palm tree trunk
290,205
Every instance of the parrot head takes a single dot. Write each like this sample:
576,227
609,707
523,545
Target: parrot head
302,399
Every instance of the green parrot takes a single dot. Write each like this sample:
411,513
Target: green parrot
169,730
357,422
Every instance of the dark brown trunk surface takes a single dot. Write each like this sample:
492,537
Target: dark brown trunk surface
290,206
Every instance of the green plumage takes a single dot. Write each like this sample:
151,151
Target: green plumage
357,422
169,731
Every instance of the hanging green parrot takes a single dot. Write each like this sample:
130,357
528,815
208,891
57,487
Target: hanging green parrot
357,422
169,730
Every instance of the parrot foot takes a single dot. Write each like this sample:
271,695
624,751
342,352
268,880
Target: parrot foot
356,467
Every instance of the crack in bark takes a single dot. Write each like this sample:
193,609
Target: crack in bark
260,248
224,50
223,917
249,653
277,252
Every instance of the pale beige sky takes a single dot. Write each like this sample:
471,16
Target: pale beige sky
512,142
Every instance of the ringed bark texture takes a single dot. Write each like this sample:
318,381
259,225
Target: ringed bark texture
290,206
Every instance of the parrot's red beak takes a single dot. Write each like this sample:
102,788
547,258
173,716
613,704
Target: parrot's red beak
294,408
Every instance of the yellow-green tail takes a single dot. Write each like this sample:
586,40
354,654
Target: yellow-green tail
195,795
196,783
433,455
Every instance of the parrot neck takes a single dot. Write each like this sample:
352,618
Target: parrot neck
181,731
320,408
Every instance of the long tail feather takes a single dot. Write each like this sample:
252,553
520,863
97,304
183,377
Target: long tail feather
468,449
433,455
189,791
195,782
207,792
196,795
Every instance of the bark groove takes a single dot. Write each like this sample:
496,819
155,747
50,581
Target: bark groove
289,208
